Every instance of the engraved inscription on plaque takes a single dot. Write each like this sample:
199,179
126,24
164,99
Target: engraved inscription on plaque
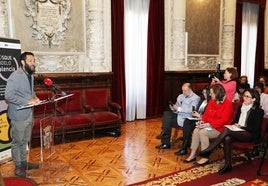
50,20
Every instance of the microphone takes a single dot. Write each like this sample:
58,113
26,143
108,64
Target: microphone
48,82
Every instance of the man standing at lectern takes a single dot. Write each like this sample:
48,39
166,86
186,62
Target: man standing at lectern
20,91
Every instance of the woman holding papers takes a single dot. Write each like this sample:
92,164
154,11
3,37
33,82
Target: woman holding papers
246,128
217,114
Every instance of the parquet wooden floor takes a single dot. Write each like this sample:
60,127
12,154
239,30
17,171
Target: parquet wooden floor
107,161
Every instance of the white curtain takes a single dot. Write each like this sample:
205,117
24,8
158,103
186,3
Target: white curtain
249,40
136,28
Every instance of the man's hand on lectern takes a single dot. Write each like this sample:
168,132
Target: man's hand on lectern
34,100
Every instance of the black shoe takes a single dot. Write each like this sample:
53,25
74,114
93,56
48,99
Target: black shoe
201,164
163,146
225,169
30,166
181,152
205,153
189,161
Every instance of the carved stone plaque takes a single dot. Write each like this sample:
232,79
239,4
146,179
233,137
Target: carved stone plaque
49,25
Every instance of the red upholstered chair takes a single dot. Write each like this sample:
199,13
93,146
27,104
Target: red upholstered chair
106,114
12,181
236,105
263,158
74,116
246,147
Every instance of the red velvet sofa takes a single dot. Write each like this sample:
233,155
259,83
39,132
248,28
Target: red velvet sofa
87,110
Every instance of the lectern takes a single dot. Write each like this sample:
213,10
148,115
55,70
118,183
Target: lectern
51,168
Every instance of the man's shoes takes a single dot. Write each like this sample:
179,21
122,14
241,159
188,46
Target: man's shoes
20,172
205,153
30,166
225,169
189,161
181,152
163,146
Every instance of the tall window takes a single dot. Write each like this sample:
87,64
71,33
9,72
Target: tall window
249,40
136,27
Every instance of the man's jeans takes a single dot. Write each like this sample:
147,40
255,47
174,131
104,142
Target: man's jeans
21,134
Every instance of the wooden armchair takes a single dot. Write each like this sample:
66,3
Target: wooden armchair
106,114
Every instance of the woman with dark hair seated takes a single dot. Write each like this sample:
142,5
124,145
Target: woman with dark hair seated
246,128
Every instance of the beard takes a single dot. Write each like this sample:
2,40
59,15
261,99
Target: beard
29,69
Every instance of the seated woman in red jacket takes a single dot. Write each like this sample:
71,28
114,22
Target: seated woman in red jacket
249,118
217,114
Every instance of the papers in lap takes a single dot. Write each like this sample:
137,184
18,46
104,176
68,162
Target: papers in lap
234,128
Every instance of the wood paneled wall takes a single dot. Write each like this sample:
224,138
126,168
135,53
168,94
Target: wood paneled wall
67,81
174,81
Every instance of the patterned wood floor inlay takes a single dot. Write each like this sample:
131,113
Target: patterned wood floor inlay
105,160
